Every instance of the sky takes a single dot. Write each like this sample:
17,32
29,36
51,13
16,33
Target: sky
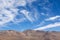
23,15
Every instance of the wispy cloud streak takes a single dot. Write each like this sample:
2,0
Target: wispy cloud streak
26,13
53,18
9,11
57,24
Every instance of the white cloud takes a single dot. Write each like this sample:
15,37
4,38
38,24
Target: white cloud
9,11
26,13
21,3
36,16
9,15
5,16
16,21
30,1
53,18
12,3
57,24
40,24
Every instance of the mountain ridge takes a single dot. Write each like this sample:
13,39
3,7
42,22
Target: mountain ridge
29,35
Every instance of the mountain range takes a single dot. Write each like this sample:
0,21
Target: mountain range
29,35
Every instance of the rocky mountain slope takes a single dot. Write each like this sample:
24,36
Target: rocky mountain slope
29,35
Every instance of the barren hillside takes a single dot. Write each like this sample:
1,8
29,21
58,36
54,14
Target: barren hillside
29,35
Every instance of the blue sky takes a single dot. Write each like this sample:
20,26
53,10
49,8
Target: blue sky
22,15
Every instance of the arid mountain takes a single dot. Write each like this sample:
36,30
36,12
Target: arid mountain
29,35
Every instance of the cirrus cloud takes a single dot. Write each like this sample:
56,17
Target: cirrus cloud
53,18
9,11
57,24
